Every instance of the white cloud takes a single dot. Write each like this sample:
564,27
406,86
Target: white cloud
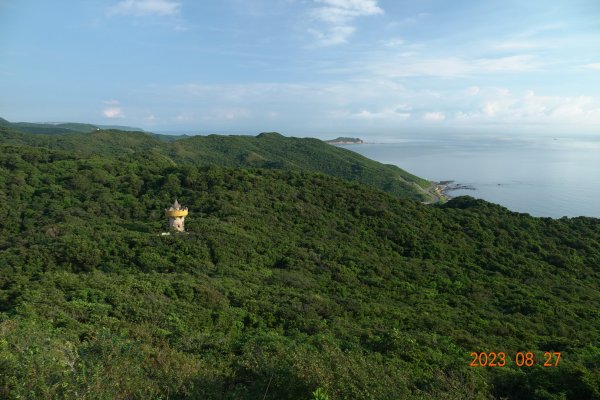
352,104
502,107
338,16
113,112
394,42
334,35
593,66
226,114
493,108
496,101
141,8
398,112
434,116
472,91
214,115
454,66
374,104
341,11
516,46
575,109
536,30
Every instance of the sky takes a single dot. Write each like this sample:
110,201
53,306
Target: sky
321,68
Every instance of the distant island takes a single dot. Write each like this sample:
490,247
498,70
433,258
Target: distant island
345,140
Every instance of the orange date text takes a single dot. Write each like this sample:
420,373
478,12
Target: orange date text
520,359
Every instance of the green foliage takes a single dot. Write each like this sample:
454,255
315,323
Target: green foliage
48,129
267,150
320,394
285,282
59,128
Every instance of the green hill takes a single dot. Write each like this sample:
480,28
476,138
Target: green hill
60,128
272,150
47,129
267,150
121,128
286,281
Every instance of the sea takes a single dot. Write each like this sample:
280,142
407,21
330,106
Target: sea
544,177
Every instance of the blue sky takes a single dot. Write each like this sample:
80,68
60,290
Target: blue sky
369,68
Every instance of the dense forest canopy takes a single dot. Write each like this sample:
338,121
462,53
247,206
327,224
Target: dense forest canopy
288,284
60,127
267,150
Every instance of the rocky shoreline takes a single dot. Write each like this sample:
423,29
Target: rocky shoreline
443,187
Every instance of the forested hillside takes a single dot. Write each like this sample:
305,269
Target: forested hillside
267,150
59,128
286,282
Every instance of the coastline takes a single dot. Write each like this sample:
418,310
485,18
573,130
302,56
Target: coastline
443,187
439,191
436,194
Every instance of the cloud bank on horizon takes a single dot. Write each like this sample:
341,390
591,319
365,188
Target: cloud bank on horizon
305,67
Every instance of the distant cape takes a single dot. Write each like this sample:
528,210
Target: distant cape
345,140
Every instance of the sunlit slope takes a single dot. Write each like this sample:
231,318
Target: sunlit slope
267,150
288,280
272,150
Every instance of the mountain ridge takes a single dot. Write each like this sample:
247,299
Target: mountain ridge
58,128
266,150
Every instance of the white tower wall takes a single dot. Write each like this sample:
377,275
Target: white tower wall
177,224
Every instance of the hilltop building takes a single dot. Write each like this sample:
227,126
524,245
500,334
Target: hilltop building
176,214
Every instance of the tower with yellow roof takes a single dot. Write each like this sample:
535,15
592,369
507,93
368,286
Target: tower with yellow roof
176,214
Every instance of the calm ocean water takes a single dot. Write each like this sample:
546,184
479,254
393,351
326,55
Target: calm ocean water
542,177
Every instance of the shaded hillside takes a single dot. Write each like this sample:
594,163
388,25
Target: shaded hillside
59,128
285,282
47,129
267,150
